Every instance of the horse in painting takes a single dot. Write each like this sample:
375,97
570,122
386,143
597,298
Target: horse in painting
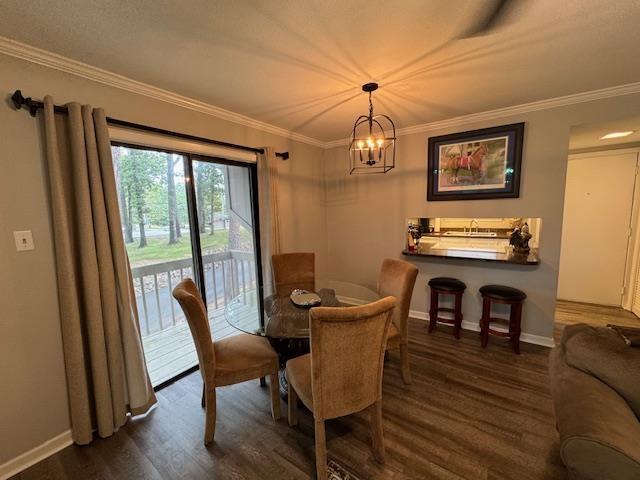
473,162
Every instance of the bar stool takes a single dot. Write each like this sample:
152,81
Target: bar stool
507,296
446,286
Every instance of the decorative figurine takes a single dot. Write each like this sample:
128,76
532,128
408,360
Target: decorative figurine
520,239
415,232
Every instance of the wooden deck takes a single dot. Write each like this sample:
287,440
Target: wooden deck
172,351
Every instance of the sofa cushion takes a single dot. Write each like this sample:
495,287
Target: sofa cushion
602,353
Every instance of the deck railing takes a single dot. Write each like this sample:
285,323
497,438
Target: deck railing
227,274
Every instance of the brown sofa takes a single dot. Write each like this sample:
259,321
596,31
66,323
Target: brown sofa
595,383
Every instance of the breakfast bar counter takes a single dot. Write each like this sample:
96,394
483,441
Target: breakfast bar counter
508,256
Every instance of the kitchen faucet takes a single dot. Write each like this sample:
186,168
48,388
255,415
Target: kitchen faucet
475,220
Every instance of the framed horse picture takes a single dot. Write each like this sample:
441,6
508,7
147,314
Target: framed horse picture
475,165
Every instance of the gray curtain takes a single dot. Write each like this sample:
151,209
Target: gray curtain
269,213
106,373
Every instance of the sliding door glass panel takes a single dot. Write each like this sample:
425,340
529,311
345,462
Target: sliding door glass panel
225,218
156,229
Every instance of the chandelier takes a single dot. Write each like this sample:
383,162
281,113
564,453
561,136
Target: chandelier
373,141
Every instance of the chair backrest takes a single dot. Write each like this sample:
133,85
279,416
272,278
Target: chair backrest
347,355
293,270
398,278
187,294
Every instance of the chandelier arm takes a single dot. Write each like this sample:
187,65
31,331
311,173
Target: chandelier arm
382,115
373,120
361,119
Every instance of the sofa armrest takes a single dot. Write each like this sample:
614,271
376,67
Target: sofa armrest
599,433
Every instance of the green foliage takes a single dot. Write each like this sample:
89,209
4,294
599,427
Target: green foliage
143,186
210,191
157,248
156,200
140,171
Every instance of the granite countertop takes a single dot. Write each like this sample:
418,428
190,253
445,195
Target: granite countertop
531,258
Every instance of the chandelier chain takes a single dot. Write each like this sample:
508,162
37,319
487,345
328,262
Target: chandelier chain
370,115
370,106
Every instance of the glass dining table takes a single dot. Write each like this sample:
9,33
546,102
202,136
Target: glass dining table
258,312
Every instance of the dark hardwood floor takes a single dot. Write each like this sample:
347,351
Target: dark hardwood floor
575,312
469,414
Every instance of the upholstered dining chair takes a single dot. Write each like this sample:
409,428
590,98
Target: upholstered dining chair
343,373
228,361
293,270
398,278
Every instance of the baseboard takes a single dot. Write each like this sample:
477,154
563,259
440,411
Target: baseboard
33,456
475,327
466,325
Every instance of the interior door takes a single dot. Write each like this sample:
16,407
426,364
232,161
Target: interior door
596,228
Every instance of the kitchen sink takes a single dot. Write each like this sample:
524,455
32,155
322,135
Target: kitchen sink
469,234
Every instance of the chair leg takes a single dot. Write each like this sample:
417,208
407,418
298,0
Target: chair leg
404,364
203,400
210,417
263,382
292,405
377,437
274,385
321,450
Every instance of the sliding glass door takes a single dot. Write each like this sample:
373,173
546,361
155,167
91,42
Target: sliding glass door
185,216
226,231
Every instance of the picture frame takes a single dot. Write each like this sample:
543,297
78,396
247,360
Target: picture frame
475,165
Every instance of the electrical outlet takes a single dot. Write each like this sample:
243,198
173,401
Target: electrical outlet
24,240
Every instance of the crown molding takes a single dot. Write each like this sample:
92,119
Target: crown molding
627,89
45,58
39,56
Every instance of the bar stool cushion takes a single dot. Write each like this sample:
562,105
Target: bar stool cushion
501,292
448,284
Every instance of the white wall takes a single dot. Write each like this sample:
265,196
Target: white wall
366,214
33,403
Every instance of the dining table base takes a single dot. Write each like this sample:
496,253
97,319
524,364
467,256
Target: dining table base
288,348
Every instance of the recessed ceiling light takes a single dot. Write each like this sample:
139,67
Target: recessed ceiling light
616,135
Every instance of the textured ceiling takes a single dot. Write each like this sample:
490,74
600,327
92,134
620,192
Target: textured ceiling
299,64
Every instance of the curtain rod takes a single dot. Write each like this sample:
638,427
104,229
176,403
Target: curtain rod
33,106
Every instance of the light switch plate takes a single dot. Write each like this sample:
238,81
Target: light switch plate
24,240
